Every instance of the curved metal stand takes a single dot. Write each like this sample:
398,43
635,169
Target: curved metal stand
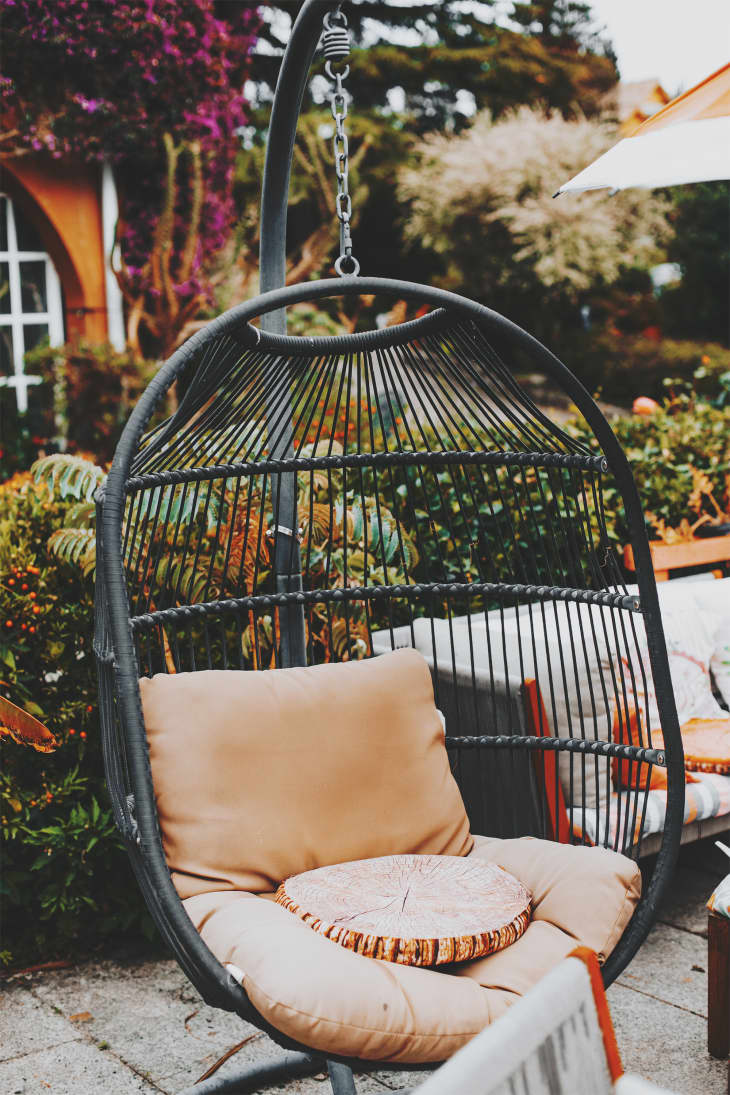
341,1078
249,1080
285,111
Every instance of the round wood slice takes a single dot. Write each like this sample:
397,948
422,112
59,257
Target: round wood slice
418,910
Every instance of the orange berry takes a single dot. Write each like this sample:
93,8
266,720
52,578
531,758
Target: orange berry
24,586
36,609
31,595
72,732
11,581
643,404
32,630
8,623
82,734
89,707
23,627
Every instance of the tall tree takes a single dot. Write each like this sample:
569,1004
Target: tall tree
442,56
697,306
416,68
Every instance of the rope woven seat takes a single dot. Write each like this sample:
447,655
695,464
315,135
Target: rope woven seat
327,499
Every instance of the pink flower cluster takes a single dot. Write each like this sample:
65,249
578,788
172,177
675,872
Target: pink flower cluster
106,79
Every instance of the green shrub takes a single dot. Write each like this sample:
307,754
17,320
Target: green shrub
621,367
65,880
86,396
662,449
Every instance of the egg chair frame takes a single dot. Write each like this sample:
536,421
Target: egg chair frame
229,361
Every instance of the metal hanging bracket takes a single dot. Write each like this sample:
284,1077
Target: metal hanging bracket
336,47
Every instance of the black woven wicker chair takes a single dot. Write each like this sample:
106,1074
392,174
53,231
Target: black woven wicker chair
313,499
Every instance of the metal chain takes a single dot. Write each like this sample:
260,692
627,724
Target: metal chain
336,45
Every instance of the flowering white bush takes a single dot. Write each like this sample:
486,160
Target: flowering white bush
507,171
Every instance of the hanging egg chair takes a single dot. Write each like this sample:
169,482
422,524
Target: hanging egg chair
321,499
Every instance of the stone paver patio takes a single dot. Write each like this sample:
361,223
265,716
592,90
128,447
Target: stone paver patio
128,1026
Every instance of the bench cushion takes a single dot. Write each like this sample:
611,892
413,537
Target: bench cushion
339,1002
262,775
713,601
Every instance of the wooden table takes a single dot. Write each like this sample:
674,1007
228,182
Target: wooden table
718,984
691,553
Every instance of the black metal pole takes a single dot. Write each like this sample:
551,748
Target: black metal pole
290,88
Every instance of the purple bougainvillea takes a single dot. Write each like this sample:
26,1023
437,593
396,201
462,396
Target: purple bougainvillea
109,78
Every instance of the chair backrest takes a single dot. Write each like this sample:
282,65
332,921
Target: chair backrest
503,793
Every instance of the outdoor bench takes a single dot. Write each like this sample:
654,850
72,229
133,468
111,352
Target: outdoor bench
481,695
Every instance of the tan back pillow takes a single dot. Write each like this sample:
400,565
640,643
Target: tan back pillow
262,775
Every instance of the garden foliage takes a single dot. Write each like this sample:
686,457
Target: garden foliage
663,449
156,88
65,879
86,397
696,307
619,367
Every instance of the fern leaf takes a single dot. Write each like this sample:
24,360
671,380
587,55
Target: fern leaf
175,503
82,515
74,546
69,475
88,560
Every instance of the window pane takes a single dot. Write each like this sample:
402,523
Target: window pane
3,223
28,238
33,334
4,287
6,351
33,286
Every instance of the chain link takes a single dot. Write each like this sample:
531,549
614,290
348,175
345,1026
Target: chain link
336,48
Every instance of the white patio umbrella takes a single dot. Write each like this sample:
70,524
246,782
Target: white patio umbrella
688,140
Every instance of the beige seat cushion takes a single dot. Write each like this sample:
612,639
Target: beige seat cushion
262,775
340,1002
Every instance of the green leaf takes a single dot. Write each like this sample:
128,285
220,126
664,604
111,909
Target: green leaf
70,475
76,546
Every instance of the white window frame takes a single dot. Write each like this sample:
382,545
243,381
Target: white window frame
17,319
